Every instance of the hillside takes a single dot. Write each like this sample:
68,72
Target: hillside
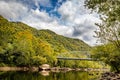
20,44
60,41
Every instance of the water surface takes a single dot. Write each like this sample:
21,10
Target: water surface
72,75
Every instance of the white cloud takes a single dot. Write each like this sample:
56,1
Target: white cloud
12,10
75,20
42,20
79,19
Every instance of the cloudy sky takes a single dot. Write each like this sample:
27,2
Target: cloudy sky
65,17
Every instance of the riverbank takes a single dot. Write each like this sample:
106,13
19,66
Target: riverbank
110,76
57,69
53,69
14,69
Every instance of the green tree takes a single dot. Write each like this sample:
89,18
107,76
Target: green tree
46,51
109,11
23,47
109,30
109,54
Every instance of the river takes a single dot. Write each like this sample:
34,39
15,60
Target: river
72,75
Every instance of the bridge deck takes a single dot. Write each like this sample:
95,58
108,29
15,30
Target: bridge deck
85,59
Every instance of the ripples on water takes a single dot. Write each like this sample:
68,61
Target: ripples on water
72,75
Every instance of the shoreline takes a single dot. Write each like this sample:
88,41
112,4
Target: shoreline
14,68
53,69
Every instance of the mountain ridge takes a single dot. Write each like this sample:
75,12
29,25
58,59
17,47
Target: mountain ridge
20,44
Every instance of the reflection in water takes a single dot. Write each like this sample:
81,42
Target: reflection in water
72,75
44,73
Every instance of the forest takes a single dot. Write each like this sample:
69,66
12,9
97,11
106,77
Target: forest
22,45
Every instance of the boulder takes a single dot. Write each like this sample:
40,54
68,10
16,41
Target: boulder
44,67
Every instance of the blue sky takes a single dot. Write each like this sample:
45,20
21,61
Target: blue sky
65,17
